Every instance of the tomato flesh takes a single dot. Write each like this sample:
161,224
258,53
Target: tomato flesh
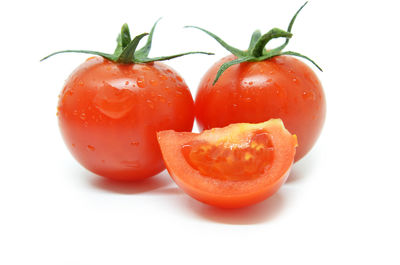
231,161
230,167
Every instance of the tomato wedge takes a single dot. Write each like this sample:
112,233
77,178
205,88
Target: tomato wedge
235,166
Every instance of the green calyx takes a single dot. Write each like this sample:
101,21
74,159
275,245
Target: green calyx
126,51
256,51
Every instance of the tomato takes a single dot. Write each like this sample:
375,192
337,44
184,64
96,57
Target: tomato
281,87
109,114
259,84
230,167
113,104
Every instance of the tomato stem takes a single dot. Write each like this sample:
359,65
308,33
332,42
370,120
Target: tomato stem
259,46
256,51
126,52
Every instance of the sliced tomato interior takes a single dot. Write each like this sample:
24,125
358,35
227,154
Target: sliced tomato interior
234,166
231,160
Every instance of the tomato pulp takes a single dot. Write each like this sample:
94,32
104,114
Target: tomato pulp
281,87
109,114
230,167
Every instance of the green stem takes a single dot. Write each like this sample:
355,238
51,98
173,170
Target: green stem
264,39
290,28
123,39
128,54
230,48
110,57
168,57
229,64
145,50
254,38
256,51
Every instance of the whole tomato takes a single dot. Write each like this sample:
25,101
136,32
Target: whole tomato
113,105
258,84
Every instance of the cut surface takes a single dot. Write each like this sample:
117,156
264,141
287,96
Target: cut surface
236,161
230,167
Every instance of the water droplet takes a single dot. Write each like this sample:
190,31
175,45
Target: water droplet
150,103
91,147
83,116
309,95
140,82
144,68
251,83
127,83
131,163
163,77
81,83
113,101
179,92
295,80
75,112
161,98
134,144
247,99
179,78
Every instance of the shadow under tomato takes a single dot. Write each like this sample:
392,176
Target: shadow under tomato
301,169
141,186
262,212
173,190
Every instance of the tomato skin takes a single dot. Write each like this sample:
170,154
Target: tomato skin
229,193
281,87
109,114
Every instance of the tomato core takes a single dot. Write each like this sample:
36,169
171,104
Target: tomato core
231,159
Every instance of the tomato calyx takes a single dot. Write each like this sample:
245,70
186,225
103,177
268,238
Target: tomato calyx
126,51
256,51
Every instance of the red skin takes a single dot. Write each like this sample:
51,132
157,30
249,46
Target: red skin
109,114
230,192
282,87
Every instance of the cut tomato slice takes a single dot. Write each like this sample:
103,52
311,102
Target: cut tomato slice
230,167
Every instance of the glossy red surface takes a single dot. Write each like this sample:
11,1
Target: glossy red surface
109,114
282,87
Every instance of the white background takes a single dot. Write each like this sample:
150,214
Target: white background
340,205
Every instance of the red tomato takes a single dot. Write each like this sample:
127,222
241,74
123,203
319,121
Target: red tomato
109,114
230,167
281,87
